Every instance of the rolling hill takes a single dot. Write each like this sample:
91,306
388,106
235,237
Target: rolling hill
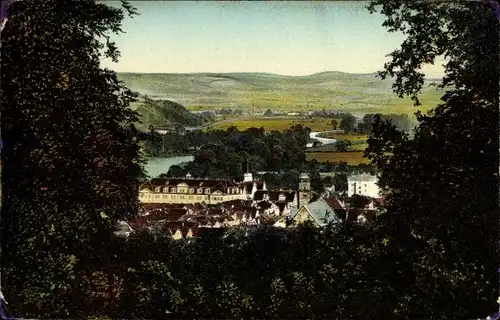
166,114
329,90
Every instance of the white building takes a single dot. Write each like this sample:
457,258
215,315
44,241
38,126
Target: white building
363,184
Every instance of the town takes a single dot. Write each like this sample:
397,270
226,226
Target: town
186,207
249,159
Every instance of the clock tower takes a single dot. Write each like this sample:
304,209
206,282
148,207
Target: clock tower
304,190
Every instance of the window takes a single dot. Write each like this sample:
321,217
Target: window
157,189
191,190
191,197
172,190
199,191
207,191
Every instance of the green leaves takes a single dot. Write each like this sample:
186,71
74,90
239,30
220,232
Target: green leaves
432,221
70,154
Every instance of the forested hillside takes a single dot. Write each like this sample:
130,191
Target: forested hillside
166,114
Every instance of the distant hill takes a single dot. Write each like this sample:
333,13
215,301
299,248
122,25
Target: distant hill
329,90
166,114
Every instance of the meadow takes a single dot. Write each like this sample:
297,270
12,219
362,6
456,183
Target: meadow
270,124
345,92
354,138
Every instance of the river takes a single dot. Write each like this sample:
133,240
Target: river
156,166
314,135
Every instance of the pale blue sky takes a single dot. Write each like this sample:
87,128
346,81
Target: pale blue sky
290,38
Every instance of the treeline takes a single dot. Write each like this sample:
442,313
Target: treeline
227,151
329,273
230,153
166,114
350,124
335,272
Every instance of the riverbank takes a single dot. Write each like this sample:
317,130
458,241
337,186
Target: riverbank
318,136
156,166
340,135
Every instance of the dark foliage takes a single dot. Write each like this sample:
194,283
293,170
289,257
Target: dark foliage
443,183
70,158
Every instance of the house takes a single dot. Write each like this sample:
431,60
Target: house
318,212
190,190
251,186
275,195
180,230
363,184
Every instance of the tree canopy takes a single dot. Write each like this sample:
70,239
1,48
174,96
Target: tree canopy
348,123
442,183
70,160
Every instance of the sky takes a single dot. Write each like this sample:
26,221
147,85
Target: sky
288,38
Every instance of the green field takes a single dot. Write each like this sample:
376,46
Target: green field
363,93
354,138
317,124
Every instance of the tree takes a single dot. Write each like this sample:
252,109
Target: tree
342,145
347,123
317,144
71,160
442,184
268,113
175,171
359,201
340,182
334,124
364,128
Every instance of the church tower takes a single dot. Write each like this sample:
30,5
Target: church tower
304,193
247,176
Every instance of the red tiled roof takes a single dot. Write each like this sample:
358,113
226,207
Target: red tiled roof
173,226
249,185
264,204
162,205
270,219
274,195
138,223
334,203
379,201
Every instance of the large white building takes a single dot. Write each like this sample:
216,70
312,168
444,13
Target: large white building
363,184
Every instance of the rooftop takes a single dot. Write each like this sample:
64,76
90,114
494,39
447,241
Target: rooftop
362,177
